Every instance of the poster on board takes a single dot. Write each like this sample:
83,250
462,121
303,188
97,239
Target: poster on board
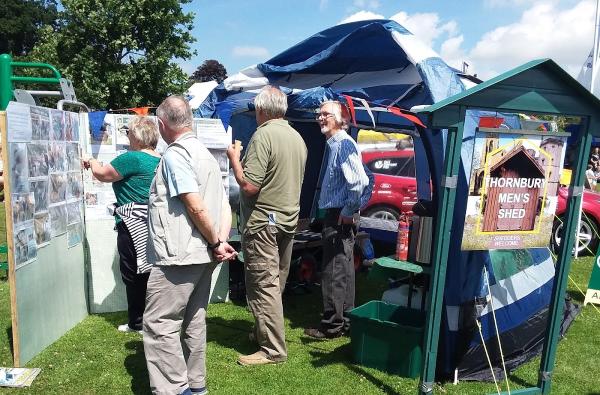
43,229
513,189
25,248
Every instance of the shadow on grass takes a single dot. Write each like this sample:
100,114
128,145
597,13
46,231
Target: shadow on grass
231,334
520,381
11,344
576,296
136,367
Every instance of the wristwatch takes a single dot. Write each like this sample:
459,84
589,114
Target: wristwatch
213,246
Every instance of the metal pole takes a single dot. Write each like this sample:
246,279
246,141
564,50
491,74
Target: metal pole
444,215
6,87
563,263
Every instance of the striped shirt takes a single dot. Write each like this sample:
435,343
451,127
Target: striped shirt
345,178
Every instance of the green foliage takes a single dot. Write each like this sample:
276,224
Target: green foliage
20,22
210,70
120,53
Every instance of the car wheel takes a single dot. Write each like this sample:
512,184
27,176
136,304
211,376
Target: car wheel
588,236
383,212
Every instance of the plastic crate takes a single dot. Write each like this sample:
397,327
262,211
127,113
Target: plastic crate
388,337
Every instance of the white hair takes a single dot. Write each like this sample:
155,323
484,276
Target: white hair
176,113
340,113
271,101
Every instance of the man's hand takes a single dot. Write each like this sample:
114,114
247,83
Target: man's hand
233,152
224,252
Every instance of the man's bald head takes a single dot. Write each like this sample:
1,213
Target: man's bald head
175,112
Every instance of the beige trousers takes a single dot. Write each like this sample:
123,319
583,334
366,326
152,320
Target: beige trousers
175,327
267,256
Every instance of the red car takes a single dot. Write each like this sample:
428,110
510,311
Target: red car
395,189
395,192
590,220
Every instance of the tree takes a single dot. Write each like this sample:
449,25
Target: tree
120,54
210,70
20,22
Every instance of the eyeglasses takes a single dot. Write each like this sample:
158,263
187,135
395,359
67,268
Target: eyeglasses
324,115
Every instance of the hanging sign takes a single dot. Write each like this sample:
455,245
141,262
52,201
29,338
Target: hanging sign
513,189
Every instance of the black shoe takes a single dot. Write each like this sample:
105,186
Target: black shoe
316,333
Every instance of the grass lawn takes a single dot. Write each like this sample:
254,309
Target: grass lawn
93,358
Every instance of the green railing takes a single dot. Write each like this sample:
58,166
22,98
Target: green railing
7,79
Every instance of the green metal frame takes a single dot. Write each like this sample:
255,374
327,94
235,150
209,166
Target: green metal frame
7,79
540,86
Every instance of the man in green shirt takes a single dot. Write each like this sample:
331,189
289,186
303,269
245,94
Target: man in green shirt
270,179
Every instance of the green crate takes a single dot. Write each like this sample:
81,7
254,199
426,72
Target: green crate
388,337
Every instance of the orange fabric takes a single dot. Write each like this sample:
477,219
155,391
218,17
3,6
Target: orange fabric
141,110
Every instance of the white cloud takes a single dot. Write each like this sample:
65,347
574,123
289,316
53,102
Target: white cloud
511,3
425,26
323,5
361,16
250,52
543,31
452,53
371,4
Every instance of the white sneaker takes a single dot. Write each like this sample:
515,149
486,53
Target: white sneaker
126,328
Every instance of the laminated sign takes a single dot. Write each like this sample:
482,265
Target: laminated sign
513,189
593,292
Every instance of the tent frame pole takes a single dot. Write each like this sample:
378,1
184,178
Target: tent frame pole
444,216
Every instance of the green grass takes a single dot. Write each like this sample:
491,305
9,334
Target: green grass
93,358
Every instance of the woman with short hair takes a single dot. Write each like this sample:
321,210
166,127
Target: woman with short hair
131,174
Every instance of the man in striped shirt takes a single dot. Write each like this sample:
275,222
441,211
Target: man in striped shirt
342,187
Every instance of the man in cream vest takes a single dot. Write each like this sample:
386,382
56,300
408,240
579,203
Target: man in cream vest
189,219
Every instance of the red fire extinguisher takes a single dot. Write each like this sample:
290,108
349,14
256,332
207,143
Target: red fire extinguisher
402,242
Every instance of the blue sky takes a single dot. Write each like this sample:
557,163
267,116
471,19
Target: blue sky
492,36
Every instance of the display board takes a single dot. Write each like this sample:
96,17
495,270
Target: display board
513,190
106,290
45,225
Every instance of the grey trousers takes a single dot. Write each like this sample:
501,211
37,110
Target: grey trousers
267,256
337,277
175,327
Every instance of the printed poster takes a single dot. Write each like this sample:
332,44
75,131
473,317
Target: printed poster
513,190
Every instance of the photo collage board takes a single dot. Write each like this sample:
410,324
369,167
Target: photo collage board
46,182
111,141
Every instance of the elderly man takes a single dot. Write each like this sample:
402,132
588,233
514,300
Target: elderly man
188,220
270,178
344,182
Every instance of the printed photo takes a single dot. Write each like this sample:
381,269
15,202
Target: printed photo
37,155
91,198
74,234
58,219
74,185
40,193
74,126
18,167
43,228
40,123
25,246
68,127
23,205
73,156
58,187
74,214
58,126
121,124
221,157
104,136
57,157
